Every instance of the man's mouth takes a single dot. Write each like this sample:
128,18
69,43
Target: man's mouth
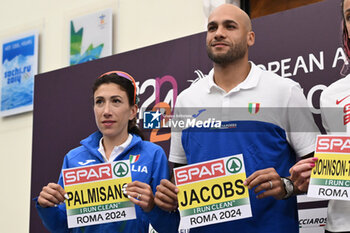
219,44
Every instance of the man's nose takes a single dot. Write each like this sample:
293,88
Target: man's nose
220,33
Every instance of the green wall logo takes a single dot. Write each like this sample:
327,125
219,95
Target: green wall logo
121,169
76,55
234,165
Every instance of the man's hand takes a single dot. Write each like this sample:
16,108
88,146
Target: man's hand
166,196
268,180
300,173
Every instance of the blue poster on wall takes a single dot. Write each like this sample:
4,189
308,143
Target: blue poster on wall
18,67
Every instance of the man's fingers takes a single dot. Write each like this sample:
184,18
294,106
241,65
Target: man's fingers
165,202
250,178
165,194
260,176
168,184
276,192
167,188
265,186
267,183
165,206
263,178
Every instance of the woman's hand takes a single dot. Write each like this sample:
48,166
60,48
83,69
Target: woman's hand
52,195
140,194
300,173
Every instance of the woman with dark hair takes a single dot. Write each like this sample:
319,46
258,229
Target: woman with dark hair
335,112
118,138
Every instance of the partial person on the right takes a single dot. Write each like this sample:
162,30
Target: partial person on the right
335,111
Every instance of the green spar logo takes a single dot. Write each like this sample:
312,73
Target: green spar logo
234,165
121,169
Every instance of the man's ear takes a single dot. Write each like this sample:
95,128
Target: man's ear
250,38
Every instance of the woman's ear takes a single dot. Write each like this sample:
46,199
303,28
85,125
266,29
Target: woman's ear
133,112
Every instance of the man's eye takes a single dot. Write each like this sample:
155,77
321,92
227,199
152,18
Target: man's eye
116,100
211,28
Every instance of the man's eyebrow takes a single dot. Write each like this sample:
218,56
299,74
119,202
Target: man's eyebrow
229,21
212,23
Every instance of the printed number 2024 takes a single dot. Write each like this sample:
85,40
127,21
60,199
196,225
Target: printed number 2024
115,215
230,213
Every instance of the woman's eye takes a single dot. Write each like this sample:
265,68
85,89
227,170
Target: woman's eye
98,101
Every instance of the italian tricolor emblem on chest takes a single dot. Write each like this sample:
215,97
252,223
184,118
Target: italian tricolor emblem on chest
253,108
134,158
